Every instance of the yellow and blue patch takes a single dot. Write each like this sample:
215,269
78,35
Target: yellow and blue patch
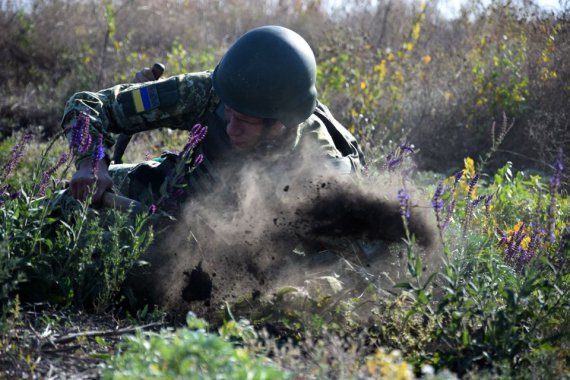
147,97
141,99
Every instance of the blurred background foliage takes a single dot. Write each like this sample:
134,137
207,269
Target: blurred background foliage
391,71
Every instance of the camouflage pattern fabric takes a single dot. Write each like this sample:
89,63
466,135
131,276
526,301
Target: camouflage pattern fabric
180,102
177,102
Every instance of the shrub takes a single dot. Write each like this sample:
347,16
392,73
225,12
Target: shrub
190,353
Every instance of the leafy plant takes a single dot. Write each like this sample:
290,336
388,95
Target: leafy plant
190,352
59,250
498,300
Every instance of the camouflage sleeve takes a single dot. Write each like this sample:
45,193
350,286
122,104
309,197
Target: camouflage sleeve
315,144
177,102
314,139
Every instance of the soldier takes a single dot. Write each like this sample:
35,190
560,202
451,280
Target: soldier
260,100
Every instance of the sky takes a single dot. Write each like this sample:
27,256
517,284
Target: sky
450,8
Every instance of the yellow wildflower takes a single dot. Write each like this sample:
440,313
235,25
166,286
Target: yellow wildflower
469,167
516,228
381,70
468,174
398,76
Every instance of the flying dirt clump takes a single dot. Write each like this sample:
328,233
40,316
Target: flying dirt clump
261,232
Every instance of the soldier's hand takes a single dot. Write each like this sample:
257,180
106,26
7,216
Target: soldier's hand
144,75
84,182
149,74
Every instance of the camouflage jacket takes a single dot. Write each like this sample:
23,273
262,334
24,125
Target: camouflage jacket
179,102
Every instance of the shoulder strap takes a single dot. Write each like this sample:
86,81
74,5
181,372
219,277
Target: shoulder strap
343,140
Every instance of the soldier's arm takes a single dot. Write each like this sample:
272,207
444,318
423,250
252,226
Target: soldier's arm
177,102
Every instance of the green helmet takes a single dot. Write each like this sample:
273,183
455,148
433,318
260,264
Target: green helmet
270,73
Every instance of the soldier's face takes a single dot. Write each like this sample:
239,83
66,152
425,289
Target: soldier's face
246,132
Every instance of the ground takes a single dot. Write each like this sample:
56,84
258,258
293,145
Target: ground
52,344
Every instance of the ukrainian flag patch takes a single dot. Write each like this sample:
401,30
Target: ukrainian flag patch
145,98
162,94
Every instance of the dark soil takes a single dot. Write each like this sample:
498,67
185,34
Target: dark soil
45,343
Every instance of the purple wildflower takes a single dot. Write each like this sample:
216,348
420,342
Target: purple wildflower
152,209
514,248
471,185
532,246
393,161
555,181
16,155
515,251
98,153
478,200
48,173
407,148
488,200
458,175
504,237
198,160
552,237
197,134
450,211
456,178
437,202
404,198
558,166
396,158
520,234
80,138
469,204
15,195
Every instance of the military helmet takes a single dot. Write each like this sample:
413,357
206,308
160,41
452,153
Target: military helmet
270,73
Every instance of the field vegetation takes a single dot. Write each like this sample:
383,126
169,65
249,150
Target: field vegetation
483,98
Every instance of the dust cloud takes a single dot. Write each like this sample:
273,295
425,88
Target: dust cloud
278,223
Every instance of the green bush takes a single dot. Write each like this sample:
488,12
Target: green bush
501,298
190,353
58,250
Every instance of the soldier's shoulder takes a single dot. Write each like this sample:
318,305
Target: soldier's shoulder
202,78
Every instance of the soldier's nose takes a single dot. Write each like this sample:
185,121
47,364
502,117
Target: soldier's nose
233,127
